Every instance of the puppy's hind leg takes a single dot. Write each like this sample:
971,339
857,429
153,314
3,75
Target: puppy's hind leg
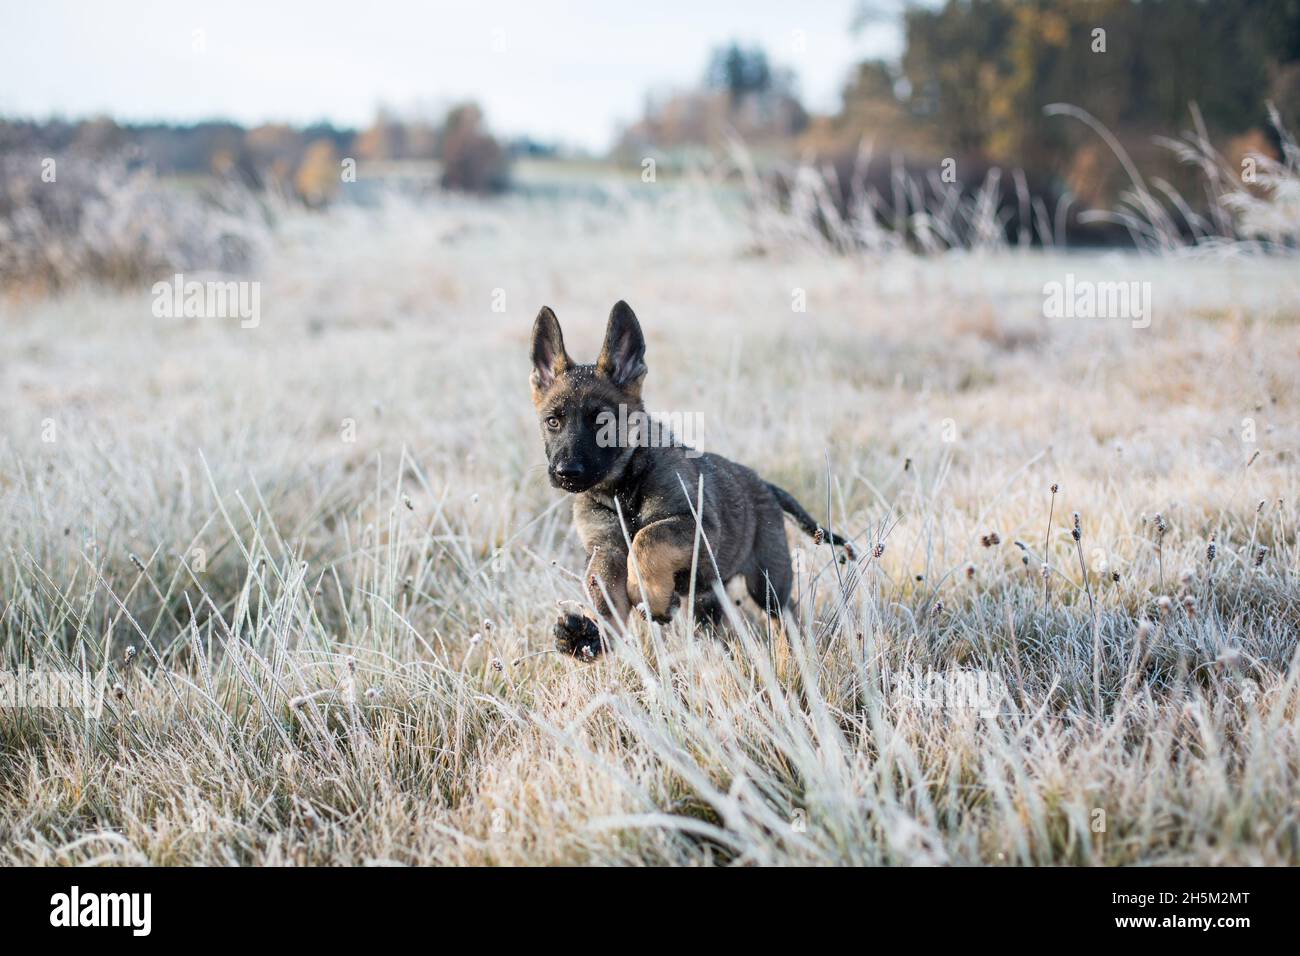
768,576
771,595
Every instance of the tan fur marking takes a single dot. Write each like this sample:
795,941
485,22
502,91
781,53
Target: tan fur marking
658,560
607,579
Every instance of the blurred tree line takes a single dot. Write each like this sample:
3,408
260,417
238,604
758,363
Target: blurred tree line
975,75
973,79
304,162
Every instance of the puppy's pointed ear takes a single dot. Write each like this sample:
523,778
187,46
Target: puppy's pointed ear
550,360
622,360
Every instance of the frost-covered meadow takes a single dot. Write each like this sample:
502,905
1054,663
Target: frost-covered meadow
314,564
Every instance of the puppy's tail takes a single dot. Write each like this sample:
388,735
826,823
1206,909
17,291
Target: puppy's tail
805,521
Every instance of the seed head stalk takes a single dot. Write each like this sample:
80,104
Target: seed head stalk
1047,541
1076,533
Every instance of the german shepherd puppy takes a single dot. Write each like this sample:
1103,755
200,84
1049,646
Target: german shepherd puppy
651,492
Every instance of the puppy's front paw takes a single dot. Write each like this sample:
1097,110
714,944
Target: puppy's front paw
578,635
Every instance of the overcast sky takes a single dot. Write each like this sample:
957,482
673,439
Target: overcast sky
558,71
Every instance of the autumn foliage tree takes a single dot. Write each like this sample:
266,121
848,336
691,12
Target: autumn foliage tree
318,177
472,159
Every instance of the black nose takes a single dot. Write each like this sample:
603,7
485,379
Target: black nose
569,470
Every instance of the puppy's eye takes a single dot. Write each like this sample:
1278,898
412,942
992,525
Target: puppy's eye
552,422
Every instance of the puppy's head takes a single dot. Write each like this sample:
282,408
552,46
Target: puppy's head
578,405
